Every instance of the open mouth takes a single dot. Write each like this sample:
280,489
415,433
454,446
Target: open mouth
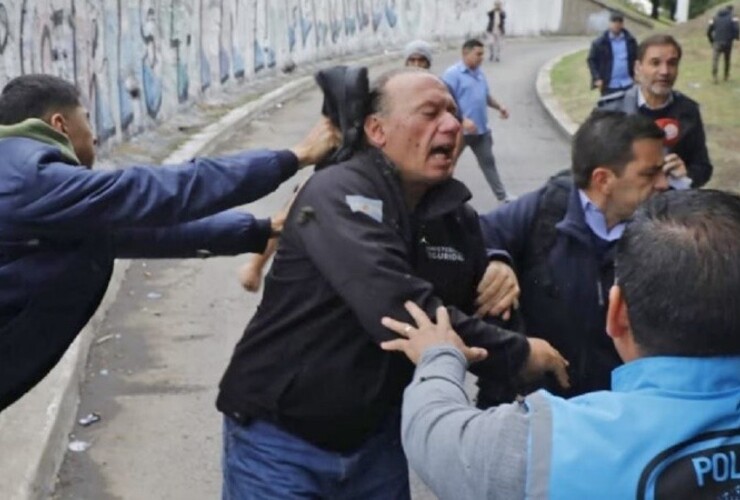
443,151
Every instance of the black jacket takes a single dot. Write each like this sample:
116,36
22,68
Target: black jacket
492,17
350,254
600,57
723,28
691,145
565,273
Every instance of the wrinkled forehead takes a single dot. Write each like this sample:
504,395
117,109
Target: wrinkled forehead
663,52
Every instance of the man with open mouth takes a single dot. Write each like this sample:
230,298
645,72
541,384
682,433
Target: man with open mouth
311,402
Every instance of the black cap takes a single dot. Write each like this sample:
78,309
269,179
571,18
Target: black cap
616,17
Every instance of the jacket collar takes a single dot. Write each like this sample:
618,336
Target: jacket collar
574,221
39,130
679,374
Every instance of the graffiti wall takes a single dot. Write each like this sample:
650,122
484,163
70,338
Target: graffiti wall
136,62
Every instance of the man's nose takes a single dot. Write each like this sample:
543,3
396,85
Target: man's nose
450,123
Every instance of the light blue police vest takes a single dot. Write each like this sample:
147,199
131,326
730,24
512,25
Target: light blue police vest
669,430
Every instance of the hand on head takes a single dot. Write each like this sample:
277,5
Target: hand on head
319,142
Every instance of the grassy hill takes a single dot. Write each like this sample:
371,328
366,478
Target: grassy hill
720,104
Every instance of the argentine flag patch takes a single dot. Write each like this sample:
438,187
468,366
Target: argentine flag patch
368,206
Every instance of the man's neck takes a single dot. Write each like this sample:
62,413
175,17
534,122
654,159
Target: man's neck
600,201
413,194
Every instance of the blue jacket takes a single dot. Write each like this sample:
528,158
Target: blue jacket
670,428
61,227
564,288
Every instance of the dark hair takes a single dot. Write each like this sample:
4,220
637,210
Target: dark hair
471,43
616,16
605,140
35,96
678,265
377,102
654,40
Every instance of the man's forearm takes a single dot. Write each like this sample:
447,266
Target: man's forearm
493,103
459,451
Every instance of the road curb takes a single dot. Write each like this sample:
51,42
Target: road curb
34,431
562,120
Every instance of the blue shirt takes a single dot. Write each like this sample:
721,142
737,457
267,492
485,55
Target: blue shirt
620,70
596,220
470,89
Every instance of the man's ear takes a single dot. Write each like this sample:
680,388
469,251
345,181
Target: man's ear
618,326
374,131
58,122
617,320
601,179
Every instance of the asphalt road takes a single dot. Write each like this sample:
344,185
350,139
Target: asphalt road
153,371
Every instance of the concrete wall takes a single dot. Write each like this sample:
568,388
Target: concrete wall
581,17
139,61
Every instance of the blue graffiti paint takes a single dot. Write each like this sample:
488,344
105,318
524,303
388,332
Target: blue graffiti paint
377,18
390,13
239,66
152,90
306,26
264,57
125,105
205,71
183,82
336,29
350,26
362,17
224,65
105,128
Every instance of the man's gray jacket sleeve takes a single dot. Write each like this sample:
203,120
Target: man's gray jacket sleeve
461,452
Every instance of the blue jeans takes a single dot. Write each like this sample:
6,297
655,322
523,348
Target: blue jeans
262,461
482,146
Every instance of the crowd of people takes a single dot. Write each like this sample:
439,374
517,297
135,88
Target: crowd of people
600,313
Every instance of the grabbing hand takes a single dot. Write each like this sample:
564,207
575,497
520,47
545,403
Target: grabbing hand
498,291
427,334
544,358
320,141
250,274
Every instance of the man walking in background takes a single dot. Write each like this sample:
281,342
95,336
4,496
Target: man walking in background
495,31
469,87
611,59
722,31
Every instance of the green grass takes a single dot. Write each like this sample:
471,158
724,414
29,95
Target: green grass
720,104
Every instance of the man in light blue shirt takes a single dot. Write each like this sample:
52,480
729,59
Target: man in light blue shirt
611,59
468,85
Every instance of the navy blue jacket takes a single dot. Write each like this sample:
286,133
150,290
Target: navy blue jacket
564,297
600,58
61,227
